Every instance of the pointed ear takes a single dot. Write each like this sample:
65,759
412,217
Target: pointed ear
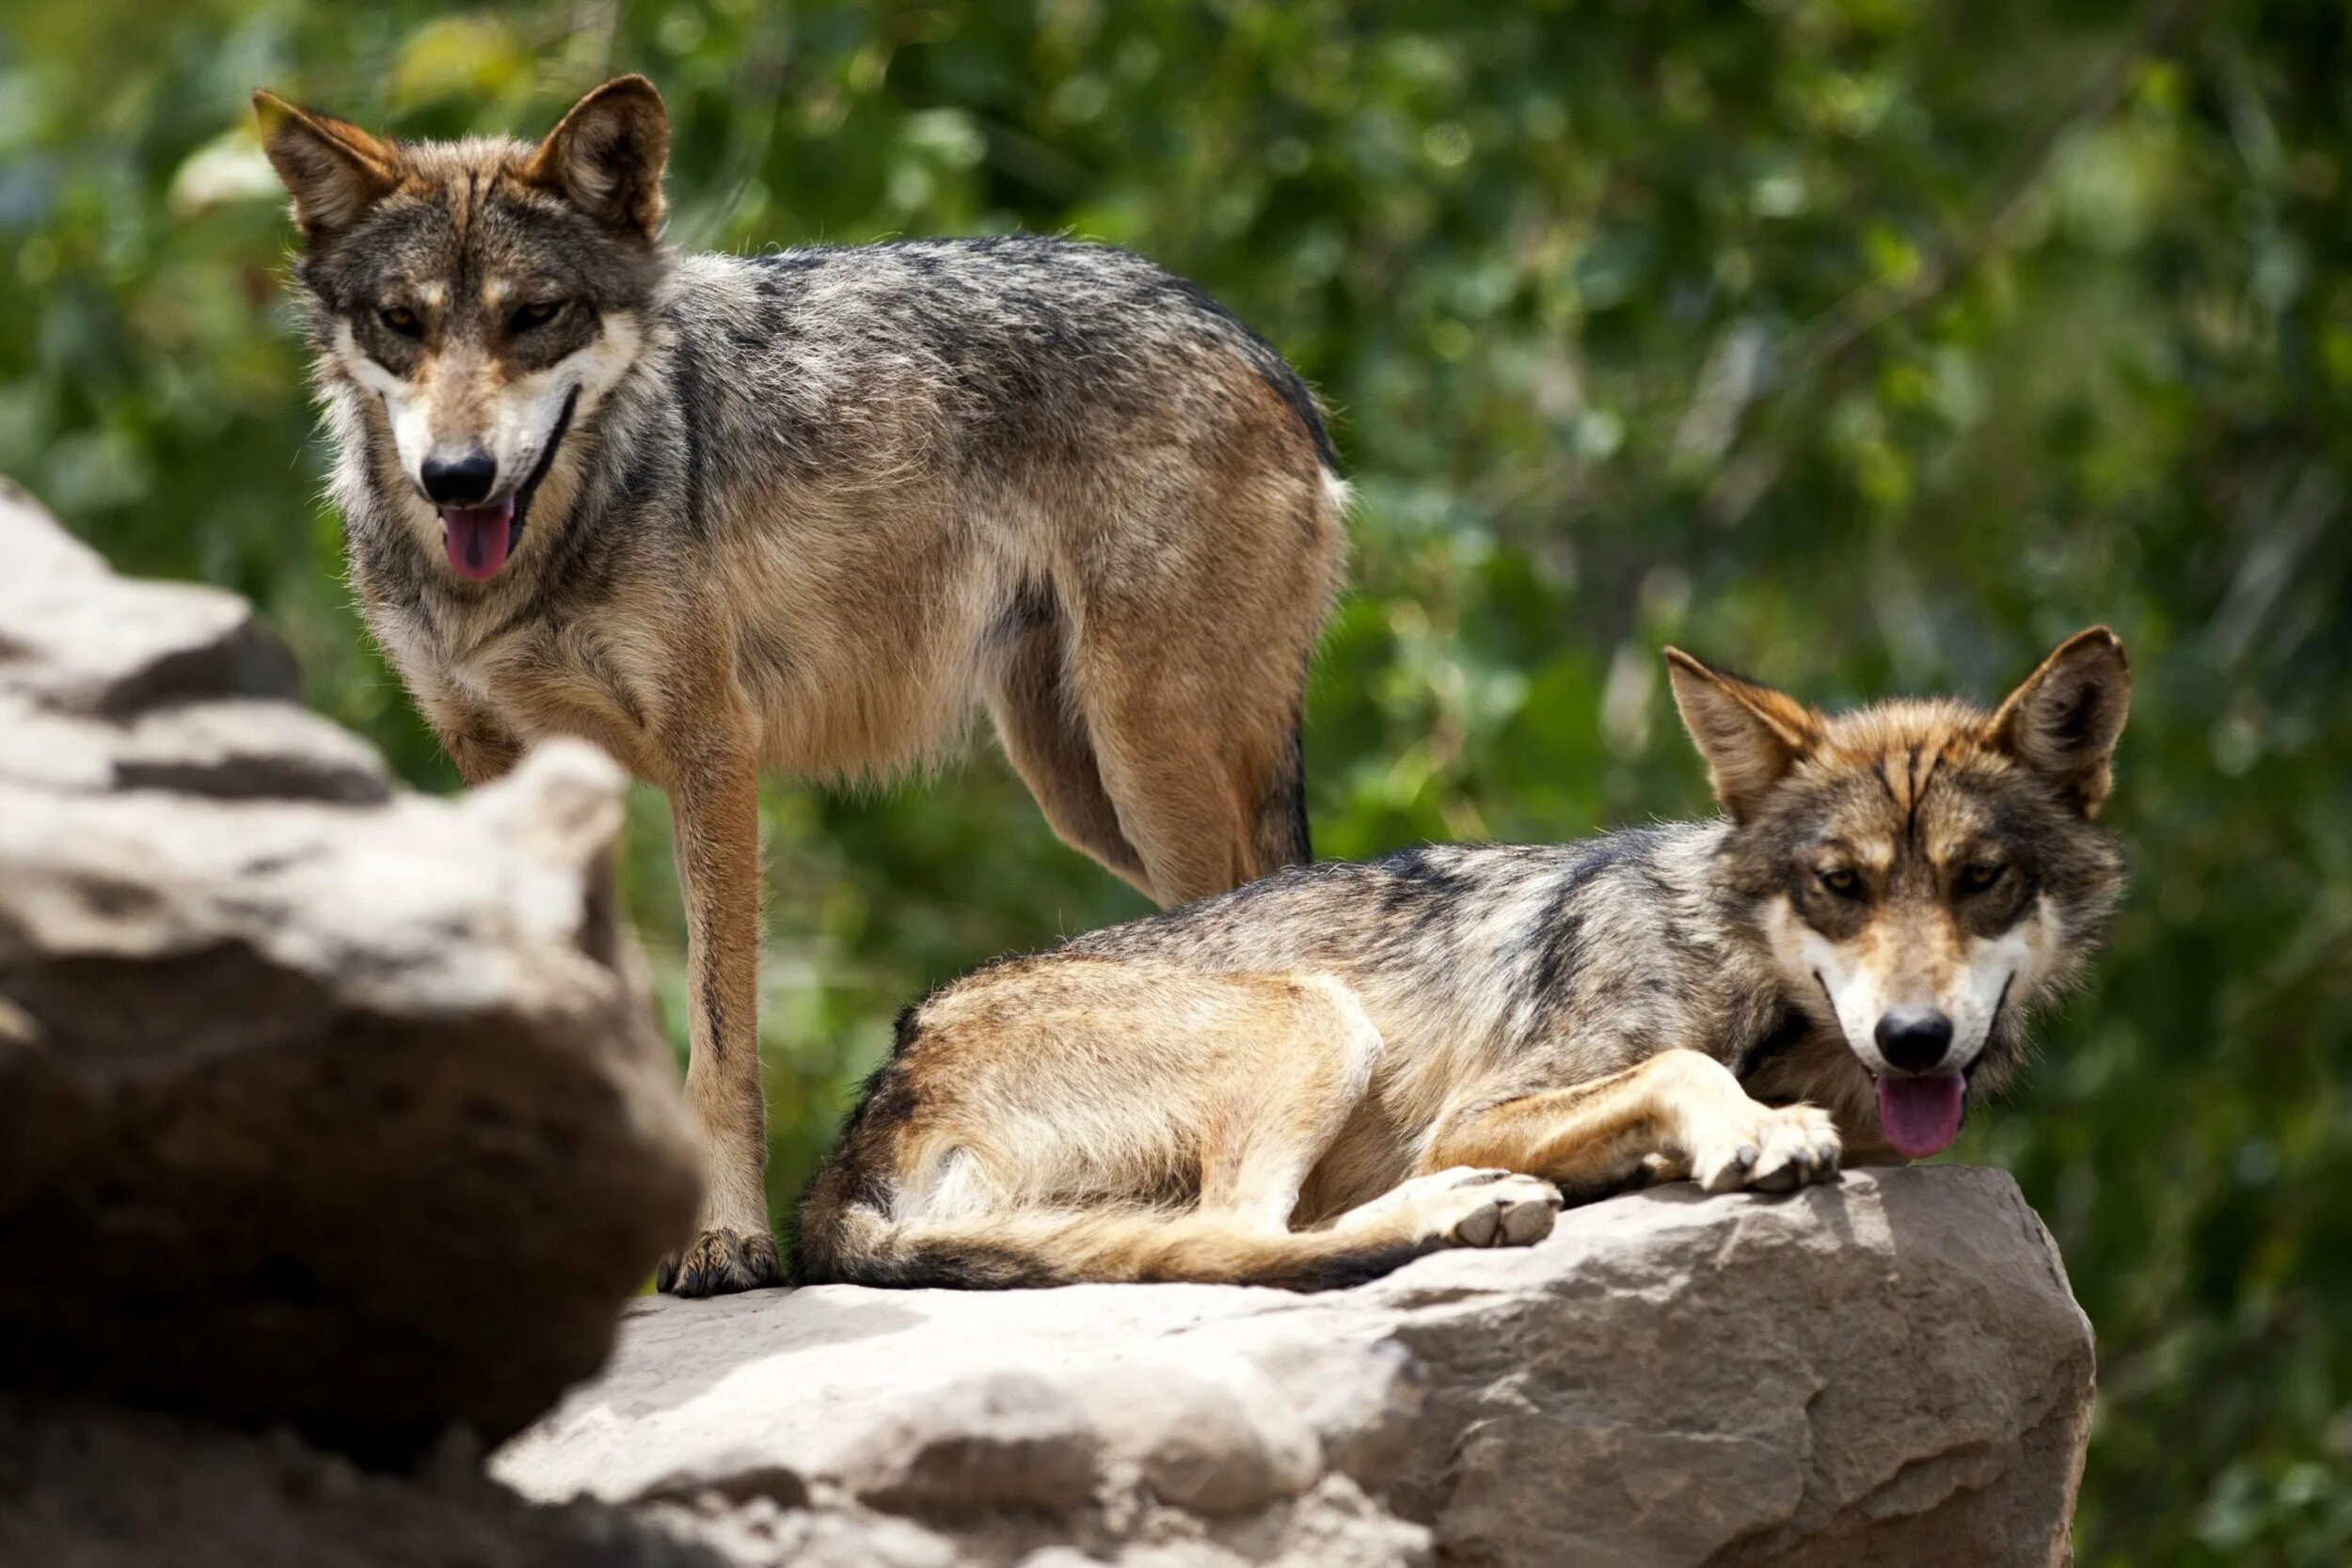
1749,734
2064,722
334,170
606,158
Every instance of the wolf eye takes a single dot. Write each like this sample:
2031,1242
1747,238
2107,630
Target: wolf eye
538,314
402,320
1842,882
1980,876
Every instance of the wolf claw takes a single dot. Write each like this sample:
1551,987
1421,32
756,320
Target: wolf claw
719,1263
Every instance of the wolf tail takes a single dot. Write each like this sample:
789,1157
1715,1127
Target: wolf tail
859,1245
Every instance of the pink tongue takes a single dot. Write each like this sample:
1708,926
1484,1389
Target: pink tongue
1922,1116
476,538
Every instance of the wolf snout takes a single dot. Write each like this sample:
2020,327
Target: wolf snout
459,476
1913,1039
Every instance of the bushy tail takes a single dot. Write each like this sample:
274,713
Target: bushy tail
858,1244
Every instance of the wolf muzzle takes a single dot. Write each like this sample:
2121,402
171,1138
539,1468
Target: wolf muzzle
479,537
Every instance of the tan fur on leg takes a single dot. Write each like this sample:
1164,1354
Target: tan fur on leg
1678,1111
1190,678
1045,739
716,804
1273,1127
1193,785
1250,1079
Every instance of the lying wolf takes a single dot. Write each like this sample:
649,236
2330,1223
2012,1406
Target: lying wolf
802,513
1308,1081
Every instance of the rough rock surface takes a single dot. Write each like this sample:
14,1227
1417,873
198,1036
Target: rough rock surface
1890,1371
83,1486
320,1102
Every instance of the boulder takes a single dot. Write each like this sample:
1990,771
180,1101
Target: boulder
81,639
1887,1370
320,1102
83,1486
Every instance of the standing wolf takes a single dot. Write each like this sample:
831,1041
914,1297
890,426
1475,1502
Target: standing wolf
802,513
1308,1081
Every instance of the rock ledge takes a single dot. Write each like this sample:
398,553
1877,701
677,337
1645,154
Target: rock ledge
1890,1371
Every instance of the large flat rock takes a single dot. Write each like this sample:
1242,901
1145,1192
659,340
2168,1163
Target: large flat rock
1889,1371
320,1102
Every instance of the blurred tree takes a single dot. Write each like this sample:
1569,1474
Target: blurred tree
1864,343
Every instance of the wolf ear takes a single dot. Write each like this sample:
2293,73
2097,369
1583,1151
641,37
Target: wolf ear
334,170
2064,722
606,158
1749,734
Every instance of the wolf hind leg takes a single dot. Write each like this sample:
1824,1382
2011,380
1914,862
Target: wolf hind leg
1189,666
1462,1205
1262,1073
1045,738
1208,785
1288,1107
1033,1247
1680,1113
1138,1086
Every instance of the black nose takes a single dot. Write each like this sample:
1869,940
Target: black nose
460,479
1913,1039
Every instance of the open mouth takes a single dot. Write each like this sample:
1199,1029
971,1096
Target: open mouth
480,538
1921,1112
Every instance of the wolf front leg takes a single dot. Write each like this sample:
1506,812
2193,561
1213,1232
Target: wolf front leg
714,800
1680,1113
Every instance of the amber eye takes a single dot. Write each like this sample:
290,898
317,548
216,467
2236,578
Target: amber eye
1980,876
538,314
402,320
1842,882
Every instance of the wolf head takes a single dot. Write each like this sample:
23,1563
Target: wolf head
1922,872
485,295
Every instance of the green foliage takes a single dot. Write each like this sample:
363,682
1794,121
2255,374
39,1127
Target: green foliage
1867,344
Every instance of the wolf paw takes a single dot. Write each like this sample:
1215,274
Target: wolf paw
719,1263
1765,1149
1474,1208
